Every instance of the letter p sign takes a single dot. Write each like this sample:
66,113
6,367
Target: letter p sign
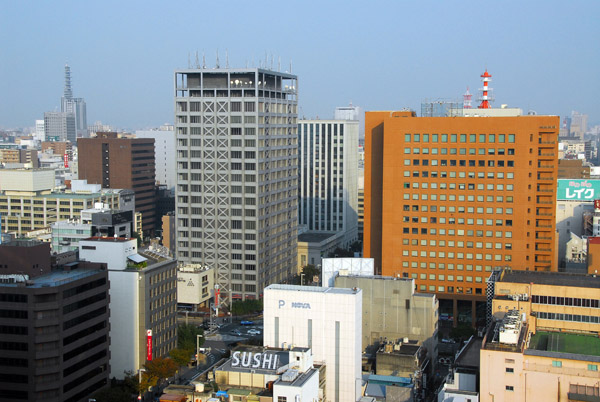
281,303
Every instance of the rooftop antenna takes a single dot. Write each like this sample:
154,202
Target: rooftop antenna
266,60
467,99
189,61
226,58
203,60
279,64
485,98
218,63
197,62
272,60
290,66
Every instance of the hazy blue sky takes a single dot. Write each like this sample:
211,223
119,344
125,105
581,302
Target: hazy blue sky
543,55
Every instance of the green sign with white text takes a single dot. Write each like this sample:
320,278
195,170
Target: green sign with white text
578,190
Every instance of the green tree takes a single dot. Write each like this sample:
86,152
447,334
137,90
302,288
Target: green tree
246,307
181,356
112,394
186,336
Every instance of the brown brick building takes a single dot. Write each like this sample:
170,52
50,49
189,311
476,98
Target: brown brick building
116,162
59,148
20,156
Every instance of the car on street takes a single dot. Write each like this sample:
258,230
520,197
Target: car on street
253,332
235,332
245,322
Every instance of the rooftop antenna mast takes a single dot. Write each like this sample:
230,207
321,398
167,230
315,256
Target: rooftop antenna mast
203,60
279,64
467,99
485,98
197,61
189,61
290,66
218,65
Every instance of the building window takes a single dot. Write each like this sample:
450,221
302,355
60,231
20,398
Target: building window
592,367
510,370
556,363
282,399
510,388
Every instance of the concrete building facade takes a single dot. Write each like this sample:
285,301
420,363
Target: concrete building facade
237,186
447,199
325,320
143,291
328,166
164,154
53,326
60,126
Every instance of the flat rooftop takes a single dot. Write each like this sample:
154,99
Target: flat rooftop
316,289
109,239
551,278
469,356
561,342
57,278
315,237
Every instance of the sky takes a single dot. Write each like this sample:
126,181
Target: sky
380,55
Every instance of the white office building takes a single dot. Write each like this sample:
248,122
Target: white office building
60,126
328,167
352,112
326,320
143,301
164,154
237,169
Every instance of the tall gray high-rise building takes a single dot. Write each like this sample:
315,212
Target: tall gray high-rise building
60,126
329,177
74,105
237,175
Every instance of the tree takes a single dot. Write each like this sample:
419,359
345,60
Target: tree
181,356
110,394
158,369
246,307
187,336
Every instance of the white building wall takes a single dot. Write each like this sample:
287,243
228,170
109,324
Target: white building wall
328,171
569,219
346,266
308,392
124,322
335,316
26,179
164,154
113,253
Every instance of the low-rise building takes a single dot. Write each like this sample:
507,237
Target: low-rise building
270,374
543,344
314,246
195,284
143,295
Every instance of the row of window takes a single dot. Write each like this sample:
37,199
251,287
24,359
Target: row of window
441,265
459,243
460,255
463,138
459,151
461,221
457,232
460,197
594,319
565,301
450,289
460,163
460,186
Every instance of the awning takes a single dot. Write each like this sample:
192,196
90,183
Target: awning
137,258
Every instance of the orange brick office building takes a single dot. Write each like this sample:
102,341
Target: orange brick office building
448,199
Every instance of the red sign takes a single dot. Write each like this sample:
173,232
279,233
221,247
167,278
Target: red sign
597,204
149,345
66,158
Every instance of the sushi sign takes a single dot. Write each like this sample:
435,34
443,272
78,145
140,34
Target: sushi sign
254,360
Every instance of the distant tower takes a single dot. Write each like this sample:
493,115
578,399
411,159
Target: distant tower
68,93
76,106
485,99
467,99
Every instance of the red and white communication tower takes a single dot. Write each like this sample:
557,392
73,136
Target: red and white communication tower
486,97
467,99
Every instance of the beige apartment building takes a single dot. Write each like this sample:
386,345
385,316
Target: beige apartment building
545,345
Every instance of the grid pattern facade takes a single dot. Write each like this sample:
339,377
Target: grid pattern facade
328,176
448,199
237,186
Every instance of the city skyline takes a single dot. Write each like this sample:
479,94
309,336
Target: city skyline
379,56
